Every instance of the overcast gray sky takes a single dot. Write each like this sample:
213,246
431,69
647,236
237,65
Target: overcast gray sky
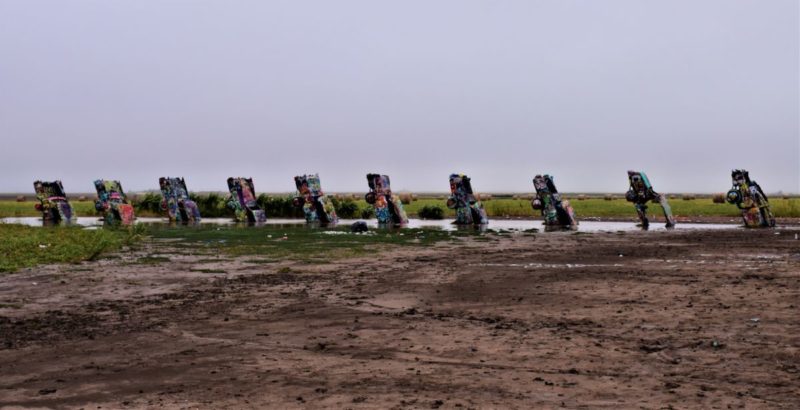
500,90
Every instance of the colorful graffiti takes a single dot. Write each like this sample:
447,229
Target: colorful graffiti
112,203
316,206
557,212
388,206
751,200
242,201
469,210
53,203
640,192
176,200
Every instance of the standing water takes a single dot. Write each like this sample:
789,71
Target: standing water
497,224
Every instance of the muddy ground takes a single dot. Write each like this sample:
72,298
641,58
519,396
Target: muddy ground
694,319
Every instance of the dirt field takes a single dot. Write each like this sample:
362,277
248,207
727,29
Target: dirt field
680,319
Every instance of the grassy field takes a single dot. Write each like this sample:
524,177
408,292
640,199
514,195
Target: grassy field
504,207
13,208
24,246
615,208
297,241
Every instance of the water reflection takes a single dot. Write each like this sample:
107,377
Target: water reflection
496,224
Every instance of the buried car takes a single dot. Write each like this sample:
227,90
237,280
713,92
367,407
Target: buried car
53,203
112,203
388,206
640,192
747,195
557,212
316,206
469,210
176,200
243,201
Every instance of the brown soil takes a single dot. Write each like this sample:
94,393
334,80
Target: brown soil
694,319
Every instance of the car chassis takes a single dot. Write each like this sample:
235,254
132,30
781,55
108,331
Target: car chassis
751,200
53,203
640,192
388,206
176,201
557,212
469,210
113,203
317,207
243,201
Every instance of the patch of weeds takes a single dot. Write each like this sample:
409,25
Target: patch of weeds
261,261
317,261
299,242
27,246
208,270
212,260
151,260
10,306
79,269
431,212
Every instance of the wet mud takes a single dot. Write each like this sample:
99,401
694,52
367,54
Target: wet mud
681,319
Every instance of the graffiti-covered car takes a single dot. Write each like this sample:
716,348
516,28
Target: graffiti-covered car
317,207
747,195
640,192
112,202
176,201
469,211
242,201
53,203
556,212
388,206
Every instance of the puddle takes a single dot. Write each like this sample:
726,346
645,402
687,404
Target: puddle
395,300
535,265
445,224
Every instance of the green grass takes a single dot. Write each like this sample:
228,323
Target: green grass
24,246
208,270
262,261
782,208
152,260
502,207
20,209
86,208
302,244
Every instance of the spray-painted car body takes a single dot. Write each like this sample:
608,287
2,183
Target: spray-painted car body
53,203
112,203
750,199
243,201
388,206
640,192
317,207
469,210
557,212
176,201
